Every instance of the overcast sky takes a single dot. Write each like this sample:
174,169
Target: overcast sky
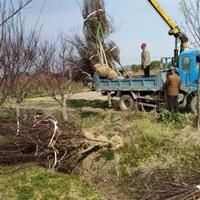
135,22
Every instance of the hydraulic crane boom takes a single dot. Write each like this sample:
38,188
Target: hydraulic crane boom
174,29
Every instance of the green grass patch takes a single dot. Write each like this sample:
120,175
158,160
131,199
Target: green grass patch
40,102
90,119
178,119
6,114
107,155
31,182
78,103
87,103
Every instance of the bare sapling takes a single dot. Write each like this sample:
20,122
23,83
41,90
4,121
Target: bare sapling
59,70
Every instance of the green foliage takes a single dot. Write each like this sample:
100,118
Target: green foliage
165,116
156,64
107,155
135,67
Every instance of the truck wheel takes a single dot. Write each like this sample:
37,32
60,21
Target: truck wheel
193,104
126,103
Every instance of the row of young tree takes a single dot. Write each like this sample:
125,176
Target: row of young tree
25,58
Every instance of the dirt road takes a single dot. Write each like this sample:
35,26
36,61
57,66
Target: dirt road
90,95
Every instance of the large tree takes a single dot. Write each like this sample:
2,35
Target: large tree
95,47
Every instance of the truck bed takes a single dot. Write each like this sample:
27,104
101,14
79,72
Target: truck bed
139,83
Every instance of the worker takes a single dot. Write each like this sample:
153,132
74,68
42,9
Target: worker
145,60
172,86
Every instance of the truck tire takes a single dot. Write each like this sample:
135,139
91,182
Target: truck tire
193,104
126,103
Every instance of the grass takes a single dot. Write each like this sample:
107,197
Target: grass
40,92
89,119
78,103
147,140
145,137
48,102
151,141
40,102
31,182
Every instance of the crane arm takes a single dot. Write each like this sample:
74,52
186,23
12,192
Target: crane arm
174,28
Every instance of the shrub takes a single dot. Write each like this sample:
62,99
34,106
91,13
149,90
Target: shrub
179,119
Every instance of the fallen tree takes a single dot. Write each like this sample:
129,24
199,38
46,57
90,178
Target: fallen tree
46,142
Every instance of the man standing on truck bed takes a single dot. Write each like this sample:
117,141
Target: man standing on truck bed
145,60
172,85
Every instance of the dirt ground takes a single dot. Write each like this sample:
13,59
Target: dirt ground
90,95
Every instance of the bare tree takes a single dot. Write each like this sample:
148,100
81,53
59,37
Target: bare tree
59,70
18,58
191,12
8,10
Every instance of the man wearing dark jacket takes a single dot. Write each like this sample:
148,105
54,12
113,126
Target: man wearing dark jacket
173,84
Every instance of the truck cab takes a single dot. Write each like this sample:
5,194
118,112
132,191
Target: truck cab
189,69
189,62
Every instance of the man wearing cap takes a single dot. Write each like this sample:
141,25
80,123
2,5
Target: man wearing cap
172,85
145,60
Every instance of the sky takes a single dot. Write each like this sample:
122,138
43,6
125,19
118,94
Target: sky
135,22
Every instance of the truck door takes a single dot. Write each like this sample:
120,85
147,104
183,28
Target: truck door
185,68
194,71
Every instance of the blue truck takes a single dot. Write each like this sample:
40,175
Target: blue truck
149,91
141,91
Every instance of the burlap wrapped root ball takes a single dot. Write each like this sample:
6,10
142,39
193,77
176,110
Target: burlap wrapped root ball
102,70
105,71
128,73
112,74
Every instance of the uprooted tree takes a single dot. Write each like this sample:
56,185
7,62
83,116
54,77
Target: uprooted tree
47,142
95,48
191,12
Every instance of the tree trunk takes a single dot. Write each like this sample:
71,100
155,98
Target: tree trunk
17,117
64,108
